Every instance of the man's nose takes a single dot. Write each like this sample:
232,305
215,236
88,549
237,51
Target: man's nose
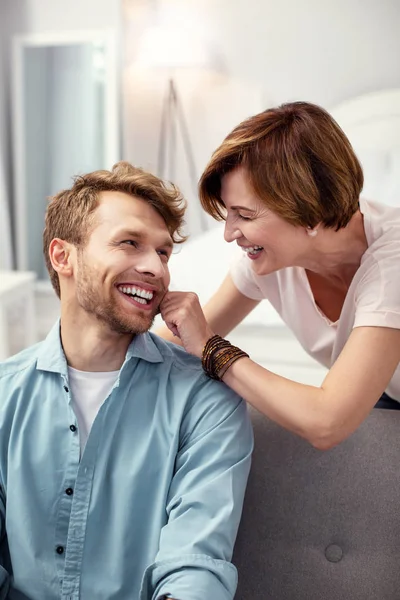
151,264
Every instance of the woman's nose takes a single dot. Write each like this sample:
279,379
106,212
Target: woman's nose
231,233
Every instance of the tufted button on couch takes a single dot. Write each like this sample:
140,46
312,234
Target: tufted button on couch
322,525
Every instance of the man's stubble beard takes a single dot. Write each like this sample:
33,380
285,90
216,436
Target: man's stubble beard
91,300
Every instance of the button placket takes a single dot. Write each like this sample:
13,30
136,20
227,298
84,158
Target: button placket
77,530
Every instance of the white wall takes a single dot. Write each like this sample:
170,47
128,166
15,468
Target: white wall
60,15
319,50
324,51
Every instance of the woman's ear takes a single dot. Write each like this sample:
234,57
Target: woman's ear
313,231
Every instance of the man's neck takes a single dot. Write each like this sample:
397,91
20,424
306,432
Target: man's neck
90,346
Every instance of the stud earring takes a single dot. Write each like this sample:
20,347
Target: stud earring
311,232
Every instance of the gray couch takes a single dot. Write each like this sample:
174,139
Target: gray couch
322,525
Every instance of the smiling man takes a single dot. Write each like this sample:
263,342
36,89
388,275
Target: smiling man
122,466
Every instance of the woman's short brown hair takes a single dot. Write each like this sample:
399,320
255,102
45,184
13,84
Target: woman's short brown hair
69,213
299,163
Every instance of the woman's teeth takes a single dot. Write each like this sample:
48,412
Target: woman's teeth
253,249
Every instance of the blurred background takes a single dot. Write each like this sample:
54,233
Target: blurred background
160,84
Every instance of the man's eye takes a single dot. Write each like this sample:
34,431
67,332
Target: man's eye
130,243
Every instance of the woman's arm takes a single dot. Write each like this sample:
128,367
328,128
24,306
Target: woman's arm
223,312
323,415
327,415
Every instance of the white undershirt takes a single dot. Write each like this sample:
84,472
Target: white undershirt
88,392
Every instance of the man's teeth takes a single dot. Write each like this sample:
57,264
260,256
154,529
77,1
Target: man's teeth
253,249
141,296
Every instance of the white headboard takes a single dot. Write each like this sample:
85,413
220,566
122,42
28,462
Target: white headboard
372,123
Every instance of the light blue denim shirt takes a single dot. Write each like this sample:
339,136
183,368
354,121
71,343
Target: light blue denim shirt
153,505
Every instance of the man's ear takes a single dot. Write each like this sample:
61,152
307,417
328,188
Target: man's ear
61,255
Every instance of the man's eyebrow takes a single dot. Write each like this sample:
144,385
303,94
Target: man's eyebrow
168,243
141,236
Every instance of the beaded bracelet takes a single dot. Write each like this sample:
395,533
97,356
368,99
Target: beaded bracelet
213,345
218,356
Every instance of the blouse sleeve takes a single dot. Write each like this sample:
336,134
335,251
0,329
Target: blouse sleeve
378,293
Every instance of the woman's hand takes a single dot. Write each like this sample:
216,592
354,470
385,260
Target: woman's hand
184,317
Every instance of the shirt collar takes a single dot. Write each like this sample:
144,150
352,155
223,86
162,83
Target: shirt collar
51,356
143,346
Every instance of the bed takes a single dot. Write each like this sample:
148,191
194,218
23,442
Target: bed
372,123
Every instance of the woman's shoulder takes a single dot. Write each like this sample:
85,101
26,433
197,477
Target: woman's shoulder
381,223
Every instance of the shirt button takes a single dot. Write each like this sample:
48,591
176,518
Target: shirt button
66,389
60,549
69,491
72,427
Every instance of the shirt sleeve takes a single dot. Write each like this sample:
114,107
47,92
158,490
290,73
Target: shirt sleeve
205,501
244,278
4,577
378,293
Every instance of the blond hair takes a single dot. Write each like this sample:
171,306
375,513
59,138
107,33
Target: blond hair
69,215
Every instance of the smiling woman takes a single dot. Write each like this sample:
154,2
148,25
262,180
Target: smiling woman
287,183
